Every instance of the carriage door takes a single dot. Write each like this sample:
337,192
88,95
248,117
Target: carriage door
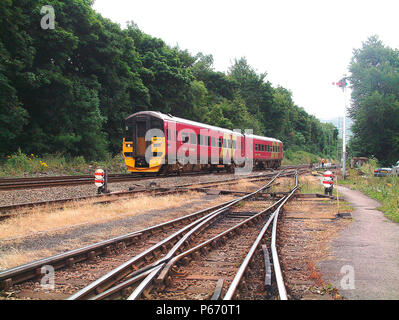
142,125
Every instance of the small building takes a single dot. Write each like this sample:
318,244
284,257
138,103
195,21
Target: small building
358,161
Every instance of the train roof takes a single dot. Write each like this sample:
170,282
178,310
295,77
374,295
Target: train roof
169,117
262,138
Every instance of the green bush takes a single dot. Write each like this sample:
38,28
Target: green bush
20,164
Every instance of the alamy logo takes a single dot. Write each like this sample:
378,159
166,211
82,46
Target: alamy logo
47,282
348,280
48,21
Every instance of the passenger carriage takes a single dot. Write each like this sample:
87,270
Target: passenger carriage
156,142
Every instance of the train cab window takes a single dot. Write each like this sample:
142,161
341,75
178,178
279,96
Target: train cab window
157,124
193,138
129,132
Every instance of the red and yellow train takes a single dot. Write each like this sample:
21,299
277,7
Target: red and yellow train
156,142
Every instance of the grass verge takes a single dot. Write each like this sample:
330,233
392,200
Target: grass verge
383,189
20,164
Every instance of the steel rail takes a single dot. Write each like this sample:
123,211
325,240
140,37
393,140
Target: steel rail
214,239
44,182
276,264
121,193
117,274
173,260
185,187
241,271
32,270
148,280
123,270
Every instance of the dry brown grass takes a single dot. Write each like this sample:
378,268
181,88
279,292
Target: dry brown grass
16,258
85,212
283,185
244,186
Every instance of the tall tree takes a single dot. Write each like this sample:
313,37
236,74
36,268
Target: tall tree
375,97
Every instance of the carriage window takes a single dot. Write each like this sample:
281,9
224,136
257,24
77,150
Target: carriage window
256,147
234,144
170,135
220,142
184,137
213,141
199,140
229,143
193,138
224,143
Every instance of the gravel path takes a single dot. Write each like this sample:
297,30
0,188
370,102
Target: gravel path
364,262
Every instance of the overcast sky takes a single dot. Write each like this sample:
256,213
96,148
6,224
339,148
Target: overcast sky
302,45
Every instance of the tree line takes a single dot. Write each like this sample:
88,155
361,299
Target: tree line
68,89
375,101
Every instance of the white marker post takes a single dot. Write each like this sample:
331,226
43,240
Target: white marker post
328,182
100,181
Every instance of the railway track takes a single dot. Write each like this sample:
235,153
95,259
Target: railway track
228,243
7,212
45,182
154,250
56,181
189,242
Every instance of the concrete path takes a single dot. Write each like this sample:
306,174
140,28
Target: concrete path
364,261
